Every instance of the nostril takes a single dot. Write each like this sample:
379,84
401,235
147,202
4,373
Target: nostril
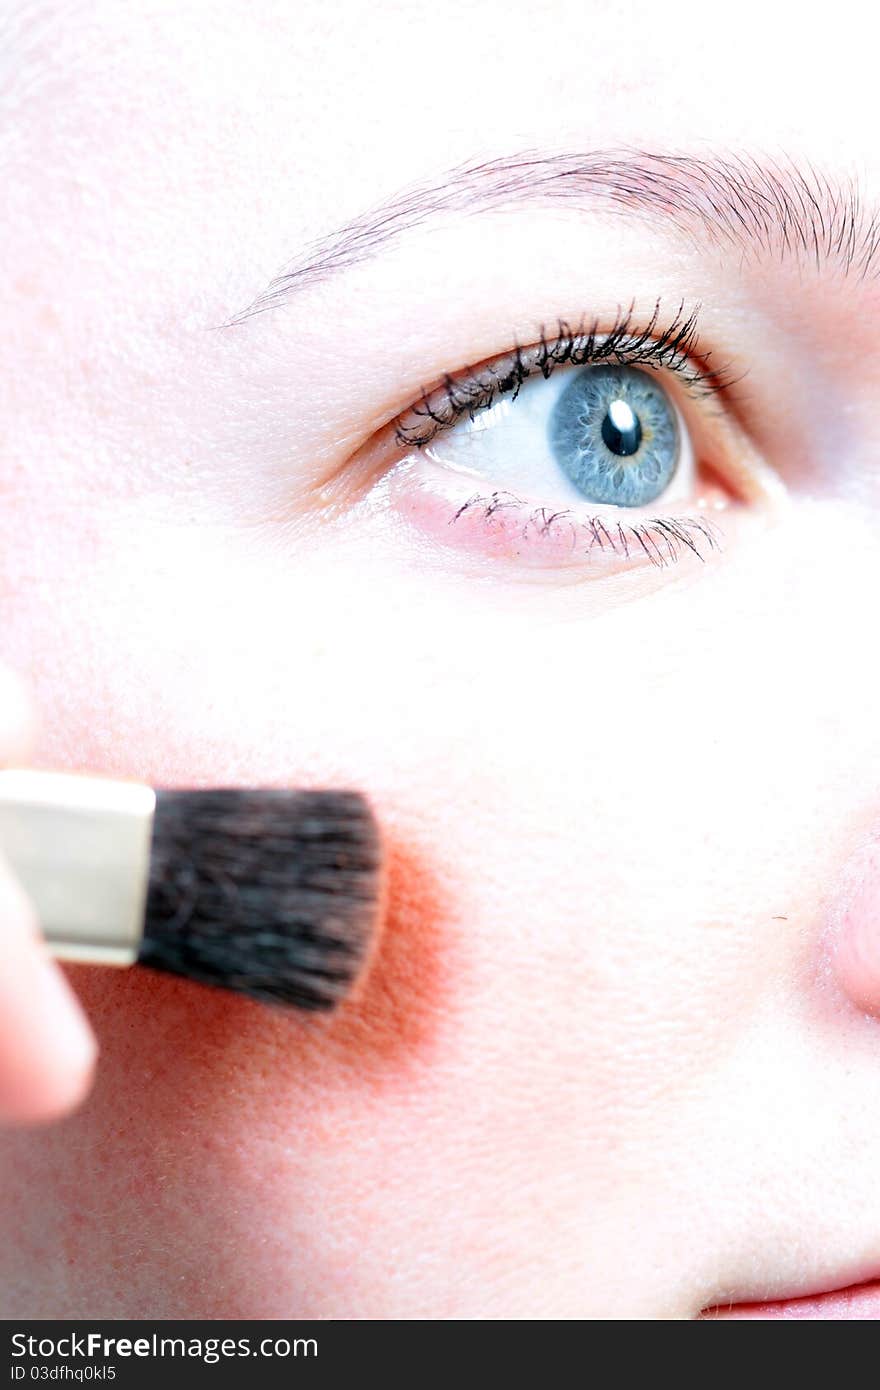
856,928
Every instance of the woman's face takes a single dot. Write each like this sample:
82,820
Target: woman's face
601,1067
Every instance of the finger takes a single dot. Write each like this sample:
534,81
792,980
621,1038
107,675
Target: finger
47,1049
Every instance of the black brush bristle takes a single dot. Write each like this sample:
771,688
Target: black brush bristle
272,893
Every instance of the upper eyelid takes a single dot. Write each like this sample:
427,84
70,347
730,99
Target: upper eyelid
674,345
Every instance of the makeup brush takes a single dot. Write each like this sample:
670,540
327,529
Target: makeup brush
273,893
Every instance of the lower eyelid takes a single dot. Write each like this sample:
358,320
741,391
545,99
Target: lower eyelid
497,526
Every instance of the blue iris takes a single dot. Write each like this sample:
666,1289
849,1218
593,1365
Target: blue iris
613,432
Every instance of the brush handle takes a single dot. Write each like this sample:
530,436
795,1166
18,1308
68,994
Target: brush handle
80,847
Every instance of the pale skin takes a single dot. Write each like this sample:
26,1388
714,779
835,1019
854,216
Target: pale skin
619,1055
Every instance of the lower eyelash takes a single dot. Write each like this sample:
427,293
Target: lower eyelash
661,540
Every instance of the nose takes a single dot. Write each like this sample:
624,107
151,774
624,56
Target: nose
856,927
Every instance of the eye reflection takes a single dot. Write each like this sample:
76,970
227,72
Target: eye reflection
621,429
613,432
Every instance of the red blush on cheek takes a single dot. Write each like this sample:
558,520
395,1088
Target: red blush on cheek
197,1038
212,1113
394,1013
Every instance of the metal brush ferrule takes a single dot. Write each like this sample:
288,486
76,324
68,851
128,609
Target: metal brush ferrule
80,847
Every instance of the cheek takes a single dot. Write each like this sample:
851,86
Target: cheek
593,828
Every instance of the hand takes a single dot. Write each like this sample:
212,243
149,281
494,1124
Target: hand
47,1049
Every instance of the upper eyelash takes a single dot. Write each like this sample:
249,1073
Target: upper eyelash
675,348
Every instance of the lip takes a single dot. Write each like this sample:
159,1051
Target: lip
855,1302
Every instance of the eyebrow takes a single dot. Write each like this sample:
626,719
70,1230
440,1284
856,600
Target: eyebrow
751,205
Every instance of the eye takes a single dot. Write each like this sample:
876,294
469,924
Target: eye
603,434
598,449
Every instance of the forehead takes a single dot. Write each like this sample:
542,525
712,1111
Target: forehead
267,121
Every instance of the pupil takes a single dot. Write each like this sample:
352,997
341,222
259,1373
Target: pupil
621,429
